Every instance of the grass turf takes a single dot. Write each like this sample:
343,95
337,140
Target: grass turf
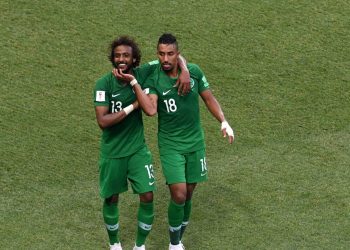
280,70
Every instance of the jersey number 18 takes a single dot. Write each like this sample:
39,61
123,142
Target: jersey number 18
170,105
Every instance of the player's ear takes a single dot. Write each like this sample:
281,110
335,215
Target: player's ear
134,60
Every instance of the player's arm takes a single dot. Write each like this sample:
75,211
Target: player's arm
183,83
215,109
106,119
142,98
154,99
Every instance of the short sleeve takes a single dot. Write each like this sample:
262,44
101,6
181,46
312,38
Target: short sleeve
202,80
101,94
150,85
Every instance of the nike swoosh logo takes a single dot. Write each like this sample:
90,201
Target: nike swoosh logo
166,92
150,183
203,174
115,95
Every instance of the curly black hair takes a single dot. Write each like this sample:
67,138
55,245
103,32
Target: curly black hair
128,41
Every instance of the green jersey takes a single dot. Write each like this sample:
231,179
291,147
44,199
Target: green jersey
126,137
179,127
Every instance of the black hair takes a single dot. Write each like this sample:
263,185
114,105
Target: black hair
168,38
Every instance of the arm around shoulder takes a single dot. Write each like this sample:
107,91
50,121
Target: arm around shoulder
154,100
145,102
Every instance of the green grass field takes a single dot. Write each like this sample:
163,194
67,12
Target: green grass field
281,71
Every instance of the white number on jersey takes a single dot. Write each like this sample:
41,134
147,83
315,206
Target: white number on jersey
204,164
116,106
150,171
170,105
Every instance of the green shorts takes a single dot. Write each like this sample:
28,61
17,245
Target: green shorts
115,173
184,168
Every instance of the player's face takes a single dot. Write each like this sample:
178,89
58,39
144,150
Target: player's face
167,55
123,58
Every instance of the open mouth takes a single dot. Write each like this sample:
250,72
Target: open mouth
121,65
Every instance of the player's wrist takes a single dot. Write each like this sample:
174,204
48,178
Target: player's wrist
133,82
225,125
224,122
128,109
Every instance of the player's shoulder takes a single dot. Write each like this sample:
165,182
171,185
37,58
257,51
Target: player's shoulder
145,70
105,82
193,68
106,79
147,66
154,62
